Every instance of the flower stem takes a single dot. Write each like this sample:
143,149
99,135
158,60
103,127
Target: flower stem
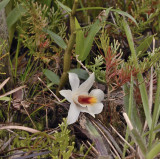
67,54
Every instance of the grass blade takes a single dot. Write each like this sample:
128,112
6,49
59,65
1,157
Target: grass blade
142,86
136,136
130,105
113,10
144,45
153,152
139,140
124,14
134,114
67,9
156,110
157,101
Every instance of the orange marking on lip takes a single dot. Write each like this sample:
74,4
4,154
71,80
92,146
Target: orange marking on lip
86,99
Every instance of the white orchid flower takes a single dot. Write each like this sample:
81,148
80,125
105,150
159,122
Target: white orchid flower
80,99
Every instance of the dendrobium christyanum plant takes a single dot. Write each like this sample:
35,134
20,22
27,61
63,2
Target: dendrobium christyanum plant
80,98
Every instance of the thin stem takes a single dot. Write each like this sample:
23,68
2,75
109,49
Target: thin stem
82,65
67,54
129,115
16,57
49,90
156,110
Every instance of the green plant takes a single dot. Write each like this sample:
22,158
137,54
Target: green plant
68,51
148,149
98,68
62,146
46,32
84,44
109,67
2,48
33,35
3,4
59,143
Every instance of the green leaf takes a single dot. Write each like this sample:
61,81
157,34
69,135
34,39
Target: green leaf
142,86
132,110
130,39
84,45
15,15
126,97
144,97
114,10
67,9
156,110
153,152
130,99
108,10
51,76
124,14
156,129
89,40
3,4
5,99
107,134
134,114
57,39
145,44
93,132
139,140
90,8
157,101
79,38
128,105
80,72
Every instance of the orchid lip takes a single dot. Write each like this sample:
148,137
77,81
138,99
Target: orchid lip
83,99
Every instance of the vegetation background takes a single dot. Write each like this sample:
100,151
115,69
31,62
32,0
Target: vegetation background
41,41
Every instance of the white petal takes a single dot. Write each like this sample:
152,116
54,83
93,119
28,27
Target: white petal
85,110
99,94
92,115
67,94
95,109
74,81
85,86
73,114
